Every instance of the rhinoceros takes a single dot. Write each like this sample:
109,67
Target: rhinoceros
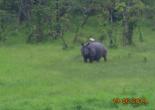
93,51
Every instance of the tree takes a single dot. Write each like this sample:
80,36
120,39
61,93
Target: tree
5,19
58,28
87,9
2,25
109,6
130,11
25,10
39,13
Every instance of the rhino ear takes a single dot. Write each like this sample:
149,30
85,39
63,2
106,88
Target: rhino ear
82,44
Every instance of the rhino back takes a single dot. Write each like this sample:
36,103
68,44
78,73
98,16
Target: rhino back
99,47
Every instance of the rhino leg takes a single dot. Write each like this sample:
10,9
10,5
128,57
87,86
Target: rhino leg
98,59
90,60
85,59
105,58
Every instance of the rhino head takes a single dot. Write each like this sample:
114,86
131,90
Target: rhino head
85,49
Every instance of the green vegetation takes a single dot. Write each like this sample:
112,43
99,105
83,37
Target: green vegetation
41,67
45,77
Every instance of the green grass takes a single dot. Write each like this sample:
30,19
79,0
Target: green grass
45,77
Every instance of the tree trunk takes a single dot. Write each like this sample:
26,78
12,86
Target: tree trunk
24,10
81,26
128,29
58,26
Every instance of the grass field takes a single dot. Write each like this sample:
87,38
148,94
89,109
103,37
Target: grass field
45,77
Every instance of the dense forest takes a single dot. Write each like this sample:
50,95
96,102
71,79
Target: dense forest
45,48
48,20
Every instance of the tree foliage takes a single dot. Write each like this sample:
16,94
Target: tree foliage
48,19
